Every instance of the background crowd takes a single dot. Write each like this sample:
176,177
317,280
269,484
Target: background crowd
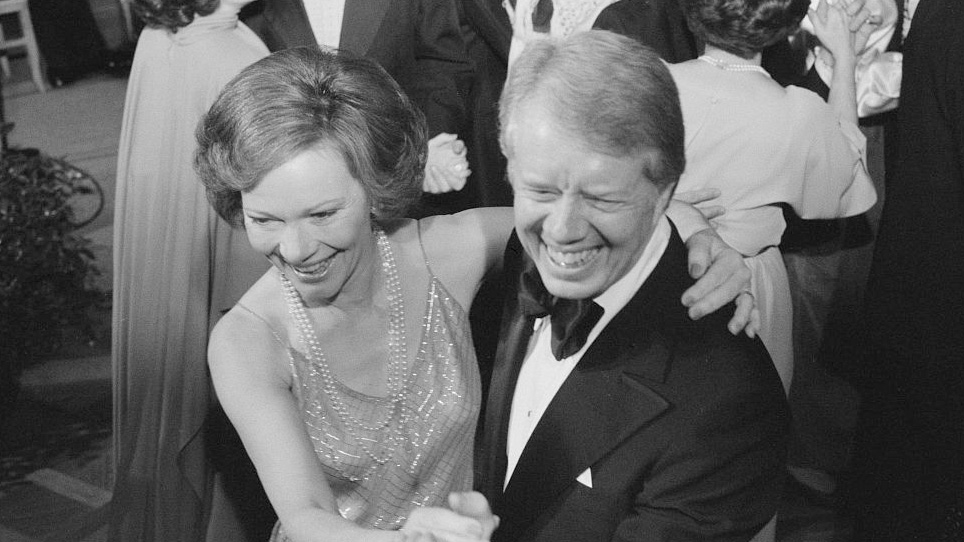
384,352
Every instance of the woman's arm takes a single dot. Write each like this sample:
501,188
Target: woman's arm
721,274
248,367
832,25
466,247
251,377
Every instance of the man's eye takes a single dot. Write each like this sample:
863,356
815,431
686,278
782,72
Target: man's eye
322,214
259,221
541,194
603,203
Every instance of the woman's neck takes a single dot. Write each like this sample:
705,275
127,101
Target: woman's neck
226,9
730,58
364,287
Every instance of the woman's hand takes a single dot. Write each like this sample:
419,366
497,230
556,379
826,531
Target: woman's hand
843,28
722,276
432,524
446,168
696,198
474,505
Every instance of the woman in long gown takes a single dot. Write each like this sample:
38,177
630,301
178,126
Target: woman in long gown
762,145
348,369
176,266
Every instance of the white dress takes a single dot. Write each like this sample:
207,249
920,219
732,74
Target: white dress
763,145
176,266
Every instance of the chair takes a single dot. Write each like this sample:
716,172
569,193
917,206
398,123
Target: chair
26,40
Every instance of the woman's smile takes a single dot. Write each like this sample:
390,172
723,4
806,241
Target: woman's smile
313,272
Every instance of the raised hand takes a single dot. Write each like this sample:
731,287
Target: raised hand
446,167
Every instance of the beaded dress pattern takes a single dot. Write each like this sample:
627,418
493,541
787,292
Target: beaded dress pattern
406,454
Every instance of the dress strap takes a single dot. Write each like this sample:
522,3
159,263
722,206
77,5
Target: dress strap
418,228
276,335
281,341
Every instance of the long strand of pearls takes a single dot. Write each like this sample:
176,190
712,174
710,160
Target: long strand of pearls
397,359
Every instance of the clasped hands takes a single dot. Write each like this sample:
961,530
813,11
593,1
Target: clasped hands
468,519
446,167
843,28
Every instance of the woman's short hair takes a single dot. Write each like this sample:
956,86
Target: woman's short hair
172,14
297,99
609,90
744,27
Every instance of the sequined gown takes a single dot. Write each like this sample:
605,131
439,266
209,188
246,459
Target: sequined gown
440,409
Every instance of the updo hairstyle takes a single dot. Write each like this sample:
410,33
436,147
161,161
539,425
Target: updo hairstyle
172,14
744,27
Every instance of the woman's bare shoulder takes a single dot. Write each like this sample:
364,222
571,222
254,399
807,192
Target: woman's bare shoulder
253,330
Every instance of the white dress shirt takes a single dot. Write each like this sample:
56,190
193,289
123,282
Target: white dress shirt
542,375
325,18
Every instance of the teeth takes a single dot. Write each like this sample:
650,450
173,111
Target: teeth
315,271
571,259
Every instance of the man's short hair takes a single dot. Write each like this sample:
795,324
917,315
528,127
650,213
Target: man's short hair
609,90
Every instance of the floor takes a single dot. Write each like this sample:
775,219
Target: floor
55,460
55,449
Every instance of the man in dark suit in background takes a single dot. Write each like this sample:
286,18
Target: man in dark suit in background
612,414
910,433
418,42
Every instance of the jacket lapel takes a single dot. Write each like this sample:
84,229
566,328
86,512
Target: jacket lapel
360,24
607,398
514,336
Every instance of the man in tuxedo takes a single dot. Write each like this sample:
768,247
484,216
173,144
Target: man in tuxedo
611,414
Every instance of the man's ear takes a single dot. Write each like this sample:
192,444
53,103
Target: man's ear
665,196
505,139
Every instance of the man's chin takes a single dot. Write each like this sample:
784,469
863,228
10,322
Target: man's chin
570,289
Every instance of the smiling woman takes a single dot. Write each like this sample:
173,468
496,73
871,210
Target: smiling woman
326,363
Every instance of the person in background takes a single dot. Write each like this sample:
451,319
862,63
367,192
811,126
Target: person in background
909,445
763,145
420,45
348,368
827,264
611,414
176,266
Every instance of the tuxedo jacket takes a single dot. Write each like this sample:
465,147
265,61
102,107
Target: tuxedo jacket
678,426
418,42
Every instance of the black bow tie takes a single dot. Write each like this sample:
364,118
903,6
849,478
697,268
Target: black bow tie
572,319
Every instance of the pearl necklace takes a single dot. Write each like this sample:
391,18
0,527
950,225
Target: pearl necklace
397,359
713,61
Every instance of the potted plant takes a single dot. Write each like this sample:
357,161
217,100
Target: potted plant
46,269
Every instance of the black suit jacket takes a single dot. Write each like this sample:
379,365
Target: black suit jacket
682,424
417,41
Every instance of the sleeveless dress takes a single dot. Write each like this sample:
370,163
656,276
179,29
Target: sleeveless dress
442,397
763,146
